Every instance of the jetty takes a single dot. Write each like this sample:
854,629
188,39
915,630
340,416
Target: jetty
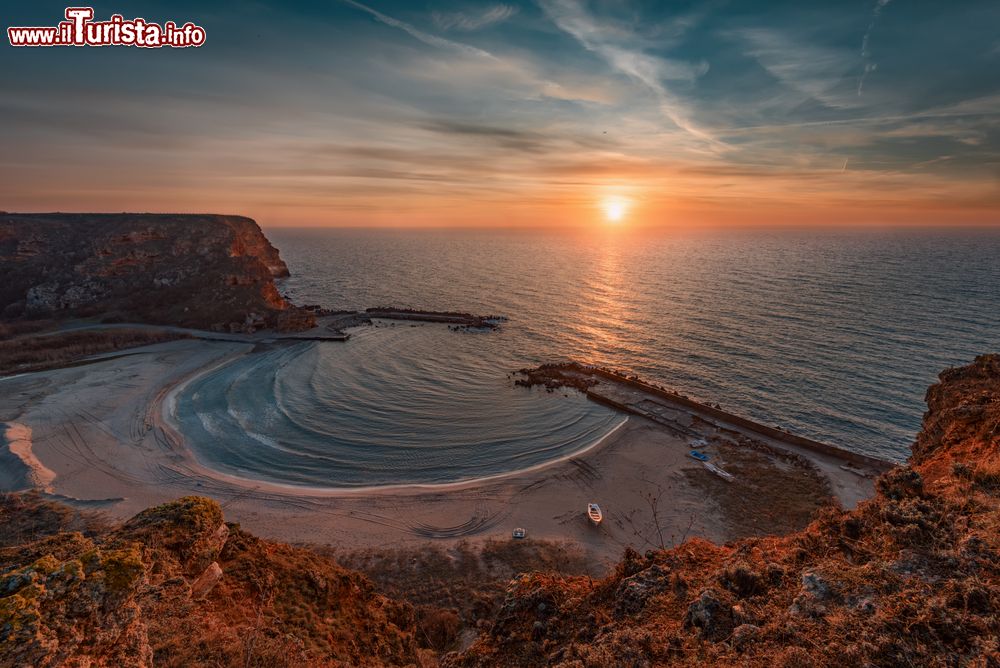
700,423
332,325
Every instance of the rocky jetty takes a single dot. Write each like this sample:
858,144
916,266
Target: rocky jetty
204,271
457,319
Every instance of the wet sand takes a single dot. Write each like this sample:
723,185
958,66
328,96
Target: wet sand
104,434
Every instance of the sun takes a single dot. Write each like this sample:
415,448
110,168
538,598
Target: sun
615,208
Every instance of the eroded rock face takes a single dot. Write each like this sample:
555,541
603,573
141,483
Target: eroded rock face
190,270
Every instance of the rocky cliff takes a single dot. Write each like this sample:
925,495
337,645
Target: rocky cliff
909,578
177,586
203,271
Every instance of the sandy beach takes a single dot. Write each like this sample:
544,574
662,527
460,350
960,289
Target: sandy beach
101,435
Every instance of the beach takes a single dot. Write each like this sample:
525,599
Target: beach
104,436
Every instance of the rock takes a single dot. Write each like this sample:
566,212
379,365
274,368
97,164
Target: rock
42,298
634,592
192,527
710,615
218,538
743,635
815,585
78,295
201,587
810,600
741,579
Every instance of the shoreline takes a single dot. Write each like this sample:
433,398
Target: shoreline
132,451
17,441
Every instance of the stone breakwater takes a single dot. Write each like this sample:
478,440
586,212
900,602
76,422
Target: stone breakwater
587,378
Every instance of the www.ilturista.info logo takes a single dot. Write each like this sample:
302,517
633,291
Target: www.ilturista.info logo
79,29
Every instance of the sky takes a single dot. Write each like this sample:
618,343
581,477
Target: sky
547,112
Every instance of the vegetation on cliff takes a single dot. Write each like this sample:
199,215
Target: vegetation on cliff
177,586
204,271
910,577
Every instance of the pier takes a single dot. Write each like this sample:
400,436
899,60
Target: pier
695,422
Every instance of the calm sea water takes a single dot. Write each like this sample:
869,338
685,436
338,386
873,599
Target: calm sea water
833,335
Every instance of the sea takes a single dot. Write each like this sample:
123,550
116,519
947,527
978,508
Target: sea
831,334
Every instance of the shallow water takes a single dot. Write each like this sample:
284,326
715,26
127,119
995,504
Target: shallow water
396,404
833,335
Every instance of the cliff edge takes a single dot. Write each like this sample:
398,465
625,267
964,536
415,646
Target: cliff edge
204,271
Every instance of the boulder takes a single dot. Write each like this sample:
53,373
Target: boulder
202,586
712,616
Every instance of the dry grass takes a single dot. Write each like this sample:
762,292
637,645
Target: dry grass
9,330
767,497
467,579
37,353
28,517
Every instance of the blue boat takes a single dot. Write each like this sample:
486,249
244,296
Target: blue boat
700,456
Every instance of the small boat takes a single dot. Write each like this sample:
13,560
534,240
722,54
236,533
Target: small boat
594,513
700,456
519,533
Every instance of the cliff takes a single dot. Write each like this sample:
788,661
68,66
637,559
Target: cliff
177,586
204,271
910,577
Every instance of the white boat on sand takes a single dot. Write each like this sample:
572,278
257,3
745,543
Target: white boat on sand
594,513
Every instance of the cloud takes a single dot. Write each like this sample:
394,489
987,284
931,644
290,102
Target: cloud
470,22
420,35
868,65
811,70
529,142
648,70
489,65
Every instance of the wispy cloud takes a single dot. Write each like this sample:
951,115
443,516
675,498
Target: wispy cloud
469,22
420,35
489,65
868,65
648,70
811,70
